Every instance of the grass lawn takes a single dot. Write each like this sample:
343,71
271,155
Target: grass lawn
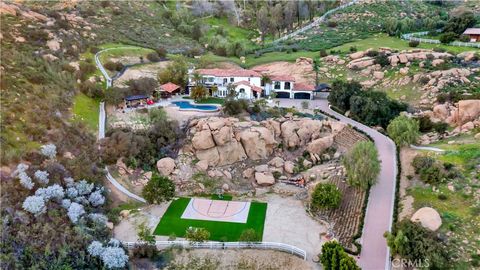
209,100
172,223
85,109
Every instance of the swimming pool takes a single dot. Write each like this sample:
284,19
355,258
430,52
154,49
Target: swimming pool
187,105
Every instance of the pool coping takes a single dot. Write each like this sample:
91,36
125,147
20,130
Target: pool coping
196,110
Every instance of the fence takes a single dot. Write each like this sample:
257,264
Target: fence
227,245
412,36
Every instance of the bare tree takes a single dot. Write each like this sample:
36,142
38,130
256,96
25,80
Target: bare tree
263,21
277,21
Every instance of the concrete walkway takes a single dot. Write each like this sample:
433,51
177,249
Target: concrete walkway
375,253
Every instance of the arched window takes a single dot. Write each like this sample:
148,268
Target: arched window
241,91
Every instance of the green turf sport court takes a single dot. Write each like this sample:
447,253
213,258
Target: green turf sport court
172,223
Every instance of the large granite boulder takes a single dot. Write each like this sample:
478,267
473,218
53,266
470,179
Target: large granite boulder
428,218
166,166
203,140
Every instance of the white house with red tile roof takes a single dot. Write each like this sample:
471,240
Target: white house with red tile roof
248,83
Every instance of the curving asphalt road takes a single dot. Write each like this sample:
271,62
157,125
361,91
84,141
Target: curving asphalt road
375,253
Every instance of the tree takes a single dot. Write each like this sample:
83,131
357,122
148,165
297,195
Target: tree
198,92
391,26
403,130
316,68
461,21
413,242
144,233
334,257
142,86
158,189
362,165
263,22
448,37
197,234
249,235
342,92
176,72
325,196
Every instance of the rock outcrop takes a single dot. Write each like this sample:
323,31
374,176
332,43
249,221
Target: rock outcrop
428,218
220,141
166,166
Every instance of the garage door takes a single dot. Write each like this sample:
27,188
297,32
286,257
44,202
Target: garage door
301,95
283,95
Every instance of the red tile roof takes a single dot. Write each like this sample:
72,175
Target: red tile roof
169,87
282,78
303,87
247,83
472,31
228,72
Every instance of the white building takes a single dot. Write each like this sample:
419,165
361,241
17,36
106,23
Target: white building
248,83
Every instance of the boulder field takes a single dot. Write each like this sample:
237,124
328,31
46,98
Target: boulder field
217,141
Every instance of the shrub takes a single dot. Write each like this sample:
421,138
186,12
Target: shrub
94,50
448,37
403,130
382,60
464,38
113,66
323,53
145,251
420,162
305,104
413,242
234,106
362,165
438,49
162,52
325,196
197,235
249,235
372,53
334,257
75,211
442,197
413,43
114,257
332,23
49,150
158,189
153,57
34,204
353,49
86,69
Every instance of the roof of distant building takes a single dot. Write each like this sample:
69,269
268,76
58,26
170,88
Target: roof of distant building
282,78
218,72
303,87
472,31
169,87
136,97
247,83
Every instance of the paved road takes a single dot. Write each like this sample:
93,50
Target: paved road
378,219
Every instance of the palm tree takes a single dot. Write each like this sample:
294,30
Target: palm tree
197,78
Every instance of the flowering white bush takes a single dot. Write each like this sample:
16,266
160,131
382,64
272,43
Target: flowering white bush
114,242
96,198
114,257
69,181
25,180
95,249
42,177
51,192
49,150
98,218
72,192
83,187
75,211
34,205
22,167
66,203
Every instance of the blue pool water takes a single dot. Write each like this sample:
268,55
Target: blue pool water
187,105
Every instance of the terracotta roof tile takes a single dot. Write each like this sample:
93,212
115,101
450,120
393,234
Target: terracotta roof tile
303,87
282,78
228,72
169,87
472,31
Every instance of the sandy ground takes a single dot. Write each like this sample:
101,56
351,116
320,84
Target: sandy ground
406,156
148,70
302,72
246,259
126,230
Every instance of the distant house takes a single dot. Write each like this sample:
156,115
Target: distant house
473,33
136,101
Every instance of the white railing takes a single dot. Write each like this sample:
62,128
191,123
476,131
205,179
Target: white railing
316,22
414,37
227,245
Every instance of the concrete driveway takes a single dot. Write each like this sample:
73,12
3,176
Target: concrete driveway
375,253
